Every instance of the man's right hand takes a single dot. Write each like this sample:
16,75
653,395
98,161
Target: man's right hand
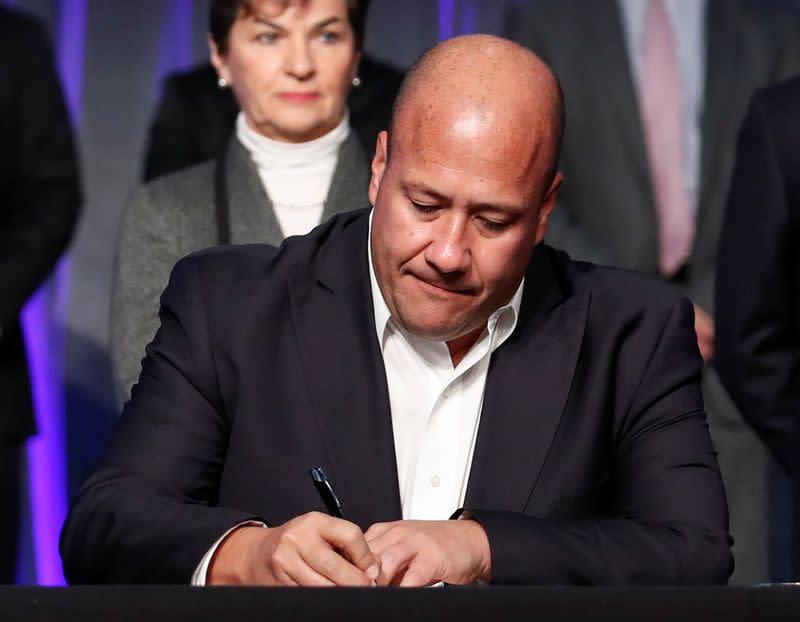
313,549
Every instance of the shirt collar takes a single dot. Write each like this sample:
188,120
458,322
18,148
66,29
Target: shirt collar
500,325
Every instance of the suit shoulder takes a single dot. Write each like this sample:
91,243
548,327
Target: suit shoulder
225,270
199,79
617,288
189,183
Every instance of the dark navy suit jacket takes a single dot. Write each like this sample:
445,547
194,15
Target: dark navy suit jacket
592,463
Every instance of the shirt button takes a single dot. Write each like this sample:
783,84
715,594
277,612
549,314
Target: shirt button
435,481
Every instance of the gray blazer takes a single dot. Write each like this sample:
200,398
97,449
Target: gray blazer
174,216
605,211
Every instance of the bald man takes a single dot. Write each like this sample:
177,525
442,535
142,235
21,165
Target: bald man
439,362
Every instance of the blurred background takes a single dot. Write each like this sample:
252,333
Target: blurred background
112,57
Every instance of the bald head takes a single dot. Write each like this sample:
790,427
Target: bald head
468,189
487,89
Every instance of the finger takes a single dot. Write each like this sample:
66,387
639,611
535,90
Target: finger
394,560
350,540
418,574
278,576
377,530
307,576
388,539
287,581
333,568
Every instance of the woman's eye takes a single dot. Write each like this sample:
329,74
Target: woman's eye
330,36
267,37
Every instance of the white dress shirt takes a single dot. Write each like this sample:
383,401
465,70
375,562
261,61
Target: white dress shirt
296,176
688,21
435,409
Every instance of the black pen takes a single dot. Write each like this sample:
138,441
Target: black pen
325,491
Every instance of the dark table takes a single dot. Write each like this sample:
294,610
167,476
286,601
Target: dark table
157,604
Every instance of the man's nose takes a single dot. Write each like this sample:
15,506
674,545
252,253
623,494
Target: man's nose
299,61
449,252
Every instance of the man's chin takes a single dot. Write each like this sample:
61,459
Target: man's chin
434,332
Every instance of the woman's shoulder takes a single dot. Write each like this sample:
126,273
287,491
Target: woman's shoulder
178,205
190,185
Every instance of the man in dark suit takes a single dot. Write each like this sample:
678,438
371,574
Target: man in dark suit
626,189
195,118
41,198
437,360
758,288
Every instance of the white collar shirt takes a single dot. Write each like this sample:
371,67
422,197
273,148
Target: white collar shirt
435,407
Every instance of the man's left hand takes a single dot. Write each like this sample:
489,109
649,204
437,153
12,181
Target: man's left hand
419,553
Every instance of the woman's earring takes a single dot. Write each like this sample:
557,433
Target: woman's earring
356,82
222,83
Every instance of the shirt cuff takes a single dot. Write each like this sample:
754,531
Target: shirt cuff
199,575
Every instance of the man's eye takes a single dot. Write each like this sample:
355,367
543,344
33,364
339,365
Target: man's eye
493,225
424,209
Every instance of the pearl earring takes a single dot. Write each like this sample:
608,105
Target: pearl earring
356,82
222,83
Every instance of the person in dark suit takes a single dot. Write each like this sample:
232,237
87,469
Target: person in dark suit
195,118
41,198
758,336
652,142
294,160
437,360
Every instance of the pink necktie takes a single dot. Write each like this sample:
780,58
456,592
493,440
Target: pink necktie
660,103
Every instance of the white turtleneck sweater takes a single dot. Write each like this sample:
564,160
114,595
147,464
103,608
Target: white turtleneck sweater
296,176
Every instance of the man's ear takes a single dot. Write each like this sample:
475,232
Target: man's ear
546,208
378,165
218,60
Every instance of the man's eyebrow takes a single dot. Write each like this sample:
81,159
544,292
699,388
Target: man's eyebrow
508,208
421,188
321,24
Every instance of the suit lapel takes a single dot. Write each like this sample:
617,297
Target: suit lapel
529,381
342,362
251,212
350,180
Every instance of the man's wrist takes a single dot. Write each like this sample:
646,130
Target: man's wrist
478,538
226,561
